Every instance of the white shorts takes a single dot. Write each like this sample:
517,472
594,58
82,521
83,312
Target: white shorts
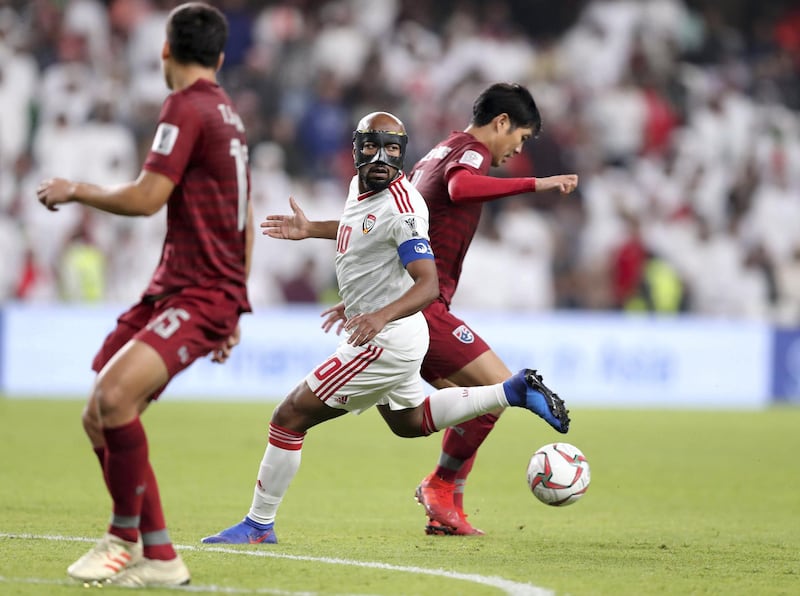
382,372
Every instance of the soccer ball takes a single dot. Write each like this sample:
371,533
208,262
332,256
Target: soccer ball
558,474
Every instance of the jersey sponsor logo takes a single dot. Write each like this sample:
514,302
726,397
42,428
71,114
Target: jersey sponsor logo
411,222
164,141
368,224
464,334
471,158
423,248
341,399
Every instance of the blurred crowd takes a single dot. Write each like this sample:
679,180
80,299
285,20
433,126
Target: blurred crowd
681,118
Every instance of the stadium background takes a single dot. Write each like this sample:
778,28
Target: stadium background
680,117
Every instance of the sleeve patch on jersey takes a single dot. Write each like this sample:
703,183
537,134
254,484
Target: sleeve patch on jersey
471,158
411,222
413,250
164,141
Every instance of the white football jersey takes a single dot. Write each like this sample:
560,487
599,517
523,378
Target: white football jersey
372,228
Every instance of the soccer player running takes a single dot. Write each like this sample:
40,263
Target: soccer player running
453,178
197,166
386,275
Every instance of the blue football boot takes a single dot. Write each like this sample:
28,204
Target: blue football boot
526,390
245,532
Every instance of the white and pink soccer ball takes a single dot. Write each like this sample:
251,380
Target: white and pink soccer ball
558,474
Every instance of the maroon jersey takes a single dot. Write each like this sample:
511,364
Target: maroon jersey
200,145
451,226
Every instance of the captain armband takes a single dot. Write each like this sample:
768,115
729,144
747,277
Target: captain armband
414,249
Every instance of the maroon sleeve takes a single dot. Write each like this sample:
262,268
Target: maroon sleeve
177,133
467,187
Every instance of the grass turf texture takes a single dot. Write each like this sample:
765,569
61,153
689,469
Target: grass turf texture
680,503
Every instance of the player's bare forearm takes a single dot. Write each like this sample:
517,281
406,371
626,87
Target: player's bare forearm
280,226
324,229
144,196
564,183
418,296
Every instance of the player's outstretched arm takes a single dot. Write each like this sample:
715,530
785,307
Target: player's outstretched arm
564,183
464,186
297,226
144,196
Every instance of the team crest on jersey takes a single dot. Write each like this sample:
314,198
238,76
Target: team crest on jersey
464,334
411,222
471,158
164,141
368,224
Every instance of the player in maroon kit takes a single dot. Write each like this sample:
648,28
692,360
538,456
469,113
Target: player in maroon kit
453,179
197,166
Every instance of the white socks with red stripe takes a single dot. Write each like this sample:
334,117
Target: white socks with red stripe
280,464
457,404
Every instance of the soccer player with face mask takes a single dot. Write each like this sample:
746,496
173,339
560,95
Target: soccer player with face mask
454,179
386,274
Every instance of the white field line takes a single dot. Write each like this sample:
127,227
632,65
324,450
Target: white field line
509,587
36,581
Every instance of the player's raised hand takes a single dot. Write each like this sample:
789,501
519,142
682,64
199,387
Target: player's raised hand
565,183
54,192
287,227
334,314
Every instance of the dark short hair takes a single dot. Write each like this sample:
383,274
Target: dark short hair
197,33
507,98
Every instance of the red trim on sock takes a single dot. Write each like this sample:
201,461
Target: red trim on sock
427,427
284,438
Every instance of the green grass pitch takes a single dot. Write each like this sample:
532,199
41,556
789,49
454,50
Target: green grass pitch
680,503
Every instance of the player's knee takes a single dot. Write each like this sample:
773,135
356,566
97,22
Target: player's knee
110,399
406,429
286,414
90,418
407,433
279,415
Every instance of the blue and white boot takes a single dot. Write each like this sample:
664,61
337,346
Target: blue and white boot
246,531
526,390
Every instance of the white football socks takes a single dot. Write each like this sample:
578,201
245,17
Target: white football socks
457,404
277,469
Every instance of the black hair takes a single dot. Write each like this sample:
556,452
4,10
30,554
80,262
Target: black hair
507,98
197,33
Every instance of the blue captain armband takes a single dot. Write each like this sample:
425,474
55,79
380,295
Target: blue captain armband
413,250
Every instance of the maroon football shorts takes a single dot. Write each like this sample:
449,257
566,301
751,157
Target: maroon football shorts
453,344
181,327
